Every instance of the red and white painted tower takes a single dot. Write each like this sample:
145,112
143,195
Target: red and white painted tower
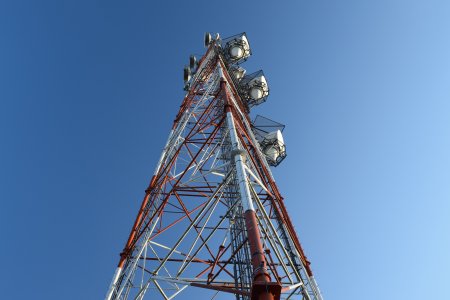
212,217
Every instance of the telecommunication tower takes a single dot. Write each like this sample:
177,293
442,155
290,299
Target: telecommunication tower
212,217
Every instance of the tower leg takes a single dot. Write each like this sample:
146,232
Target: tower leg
262,287
112,286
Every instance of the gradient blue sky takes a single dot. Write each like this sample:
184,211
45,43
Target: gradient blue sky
89,89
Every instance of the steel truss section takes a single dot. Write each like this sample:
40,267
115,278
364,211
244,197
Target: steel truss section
212,217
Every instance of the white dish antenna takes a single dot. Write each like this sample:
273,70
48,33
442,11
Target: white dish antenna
258,88
273,147
236,48
254,88
238,72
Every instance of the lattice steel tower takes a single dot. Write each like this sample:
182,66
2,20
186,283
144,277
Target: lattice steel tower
212,218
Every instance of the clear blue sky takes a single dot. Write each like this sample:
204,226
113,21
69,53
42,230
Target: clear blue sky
89,89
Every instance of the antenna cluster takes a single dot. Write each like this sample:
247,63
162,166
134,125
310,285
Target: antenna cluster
235,50
252,88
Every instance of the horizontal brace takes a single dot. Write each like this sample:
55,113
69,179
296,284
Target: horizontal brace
221,289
